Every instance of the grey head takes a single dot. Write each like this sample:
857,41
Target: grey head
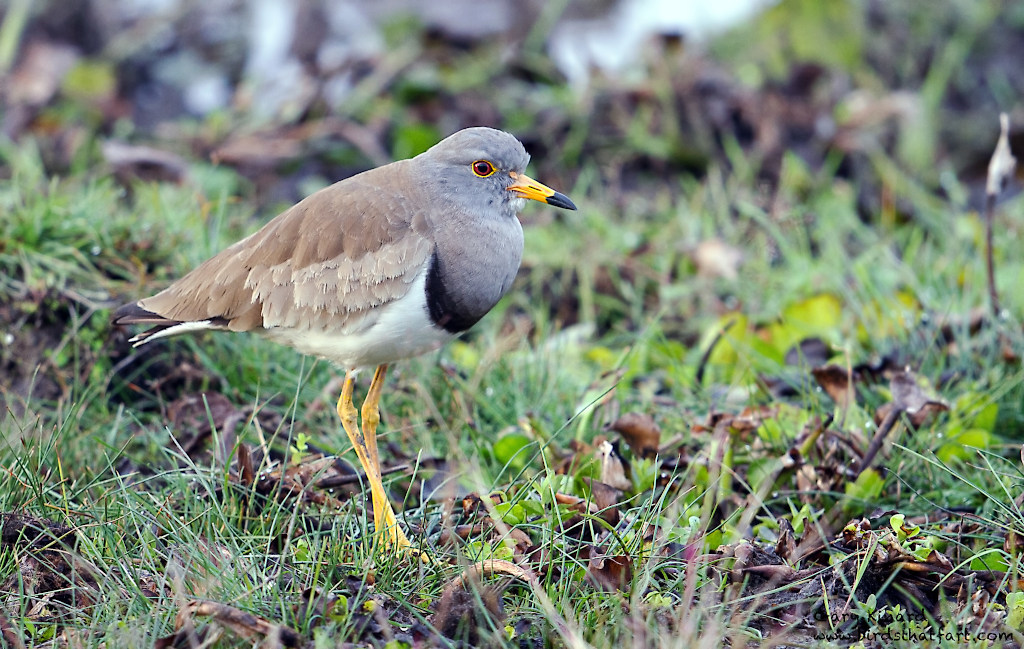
481,170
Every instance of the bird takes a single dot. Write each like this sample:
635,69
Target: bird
382,266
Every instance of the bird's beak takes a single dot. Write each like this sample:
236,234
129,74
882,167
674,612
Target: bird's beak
527,187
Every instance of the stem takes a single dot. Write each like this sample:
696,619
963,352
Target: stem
993,295
879,438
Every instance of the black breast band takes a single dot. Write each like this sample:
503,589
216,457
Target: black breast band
445,311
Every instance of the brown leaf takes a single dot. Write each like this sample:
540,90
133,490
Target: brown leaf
310,470
785,547
836,382
522,541
472,504
641,432
578,526
133,162
910,397
246,472
454,536
241,623
469,614
264,150
906,393
466,607
316,605
806,482
602,501
609,573
605,498
750,419
60,581
1013,543
301,480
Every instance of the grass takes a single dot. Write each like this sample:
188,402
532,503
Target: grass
752,527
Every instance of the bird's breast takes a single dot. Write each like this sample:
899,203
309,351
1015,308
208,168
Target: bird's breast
469,272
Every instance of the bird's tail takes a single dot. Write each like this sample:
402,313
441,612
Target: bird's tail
160,327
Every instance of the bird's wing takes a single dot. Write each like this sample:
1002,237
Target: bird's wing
324,263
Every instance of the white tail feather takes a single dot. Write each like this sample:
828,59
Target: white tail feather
174,330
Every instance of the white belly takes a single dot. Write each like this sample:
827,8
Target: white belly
397,330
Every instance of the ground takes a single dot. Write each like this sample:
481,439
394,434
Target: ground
760,390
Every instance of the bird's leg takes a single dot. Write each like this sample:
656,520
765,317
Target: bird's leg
371,412
348,414
347,410
383,514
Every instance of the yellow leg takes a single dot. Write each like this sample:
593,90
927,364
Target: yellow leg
347,410
383,515
365,444
371,412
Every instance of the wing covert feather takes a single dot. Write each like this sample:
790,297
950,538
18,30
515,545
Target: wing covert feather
340,252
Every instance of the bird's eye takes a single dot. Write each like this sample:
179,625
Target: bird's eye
482,168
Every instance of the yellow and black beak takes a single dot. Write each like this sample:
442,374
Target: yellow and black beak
527,187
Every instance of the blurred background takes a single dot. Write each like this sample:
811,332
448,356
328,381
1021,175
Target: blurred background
316,90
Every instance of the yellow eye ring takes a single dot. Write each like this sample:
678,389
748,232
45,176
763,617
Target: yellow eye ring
483,168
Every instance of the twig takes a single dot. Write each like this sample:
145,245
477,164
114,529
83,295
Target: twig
879,438
1000,169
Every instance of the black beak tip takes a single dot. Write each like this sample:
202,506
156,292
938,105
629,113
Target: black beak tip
558,199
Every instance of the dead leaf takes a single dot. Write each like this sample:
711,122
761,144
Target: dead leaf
785,547
605,498
466,607
61,582
469,614
1002,164
836,382
317,606
263,150
302,481
455,536
641,433
243,624
246,472
909,397
473,505
133,162
609,572
613,469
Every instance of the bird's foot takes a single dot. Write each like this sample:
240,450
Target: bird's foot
394,538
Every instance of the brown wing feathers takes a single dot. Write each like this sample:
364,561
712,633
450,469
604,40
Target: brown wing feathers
340,252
